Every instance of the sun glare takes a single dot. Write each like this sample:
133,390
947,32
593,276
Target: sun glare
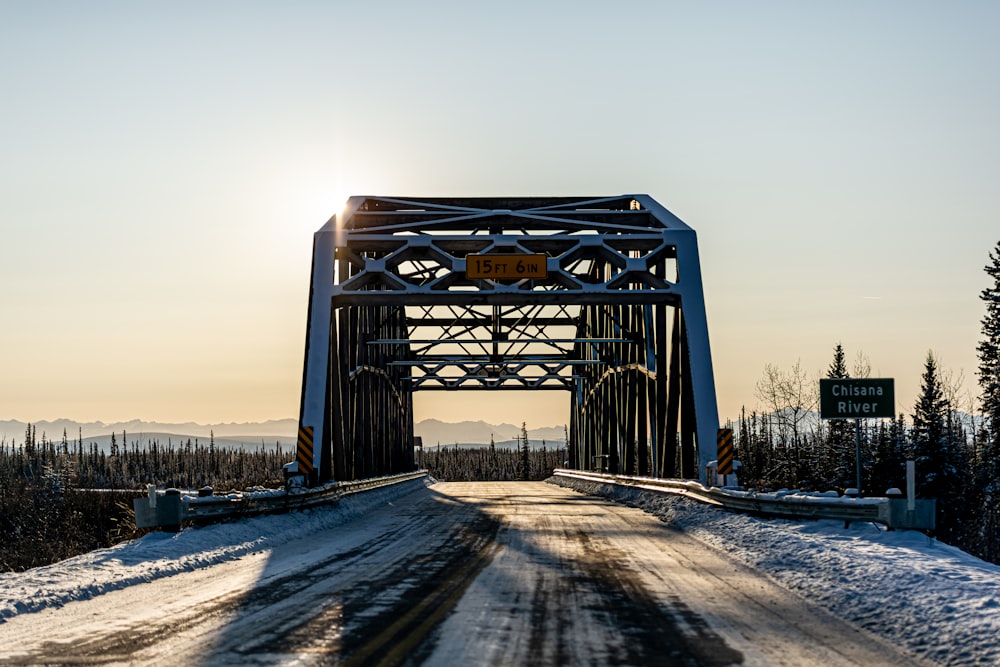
338,202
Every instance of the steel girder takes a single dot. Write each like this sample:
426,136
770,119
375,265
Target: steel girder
619,323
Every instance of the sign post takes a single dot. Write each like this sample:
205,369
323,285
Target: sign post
857,398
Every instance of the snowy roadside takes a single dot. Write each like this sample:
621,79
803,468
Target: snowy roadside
158,555
933,599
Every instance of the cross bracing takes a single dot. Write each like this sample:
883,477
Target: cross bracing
611,312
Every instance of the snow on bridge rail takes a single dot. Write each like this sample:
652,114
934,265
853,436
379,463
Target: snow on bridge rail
171,508
891,512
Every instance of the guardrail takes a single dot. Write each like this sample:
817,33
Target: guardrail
892,512
169,509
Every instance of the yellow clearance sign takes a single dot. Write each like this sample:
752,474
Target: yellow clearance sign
506,267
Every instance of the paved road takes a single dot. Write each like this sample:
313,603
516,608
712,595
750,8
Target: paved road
483,573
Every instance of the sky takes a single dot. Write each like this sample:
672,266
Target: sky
164,166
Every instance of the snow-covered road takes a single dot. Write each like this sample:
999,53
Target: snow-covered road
454,573
576,581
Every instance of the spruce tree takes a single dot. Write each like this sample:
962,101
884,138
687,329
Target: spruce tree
989,367
987,464
888,458
838,462
939,457
525,453
928,432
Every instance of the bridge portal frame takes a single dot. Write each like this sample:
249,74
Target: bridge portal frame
619,323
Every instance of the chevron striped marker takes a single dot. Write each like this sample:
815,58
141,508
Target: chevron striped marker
304,455
725,451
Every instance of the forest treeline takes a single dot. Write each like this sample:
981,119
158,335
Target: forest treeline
62,498
50,506
470,464
792,448
954,446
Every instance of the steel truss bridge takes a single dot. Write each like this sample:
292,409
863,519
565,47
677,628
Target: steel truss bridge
600,297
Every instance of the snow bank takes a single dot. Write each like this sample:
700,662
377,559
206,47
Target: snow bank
159,555
937,601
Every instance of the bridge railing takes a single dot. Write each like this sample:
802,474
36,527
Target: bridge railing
171,508
892,512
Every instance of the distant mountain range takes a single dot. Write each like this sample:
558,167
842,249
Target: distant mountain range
435,432
137,429
281,431
230,435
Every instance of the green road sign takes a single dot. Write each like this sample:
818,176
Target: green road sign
856,398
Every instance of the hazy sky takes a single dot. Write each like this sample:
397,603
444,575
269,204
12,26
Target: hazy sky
164,165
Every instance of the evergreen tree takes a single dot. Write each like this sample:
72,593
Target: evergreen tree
928,432
938,456
888,459
989,351
987,463
525,453
838,465
494,469
29,441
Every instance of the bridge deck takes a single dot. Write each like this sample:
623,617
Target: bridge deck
458,574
